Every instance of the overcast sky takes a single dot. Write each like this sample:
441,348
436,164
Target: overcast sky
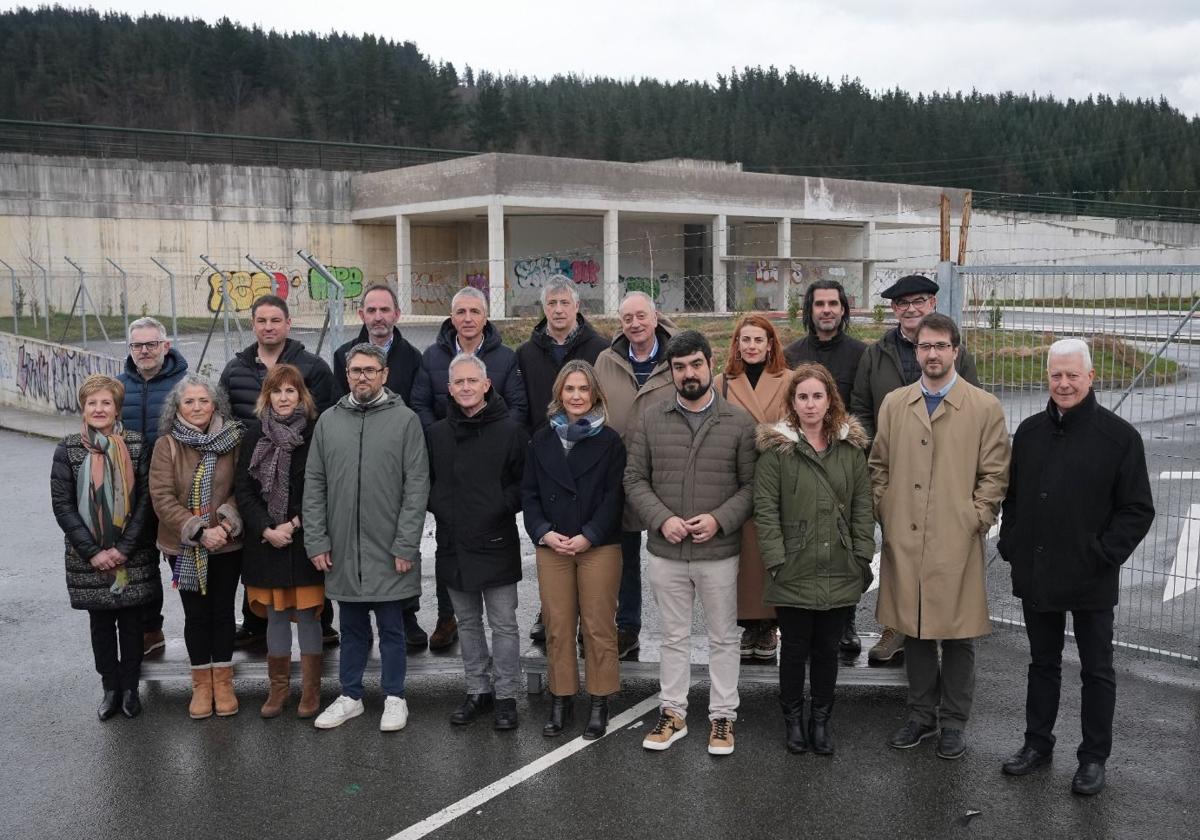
1068,48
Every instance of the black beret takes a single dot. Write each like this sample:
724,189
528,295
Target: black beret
911,284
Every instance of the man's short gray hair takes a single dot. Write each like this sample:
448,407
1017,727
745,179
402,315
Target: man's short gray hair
466,358
366,348
142,323
560,283
471,292
1071,347
649,300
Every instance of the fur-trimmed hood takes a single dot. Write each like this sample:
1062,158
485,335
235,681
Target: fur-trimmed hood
782,438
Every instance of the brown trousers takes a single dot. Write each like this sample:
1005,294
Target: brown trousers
581,589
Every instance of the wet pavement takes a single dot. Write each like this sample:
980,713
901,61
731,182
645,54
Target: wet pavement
163,775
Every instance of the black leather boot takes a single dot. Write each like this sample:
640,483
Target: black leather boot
793,720
562,714
598,722
505,717
820,732
472,707
110,704
131,703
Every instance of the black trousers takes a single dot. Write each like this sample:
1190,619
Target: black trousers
152,610
208,624
117,646
1093,638
256,624
809,637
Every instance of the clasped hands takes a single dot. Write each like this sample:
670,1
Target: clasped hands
701,528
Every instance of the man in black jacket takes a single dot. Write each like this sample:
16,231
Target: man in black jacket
476,460
379,311
826,317
1078,505
562,335
242,379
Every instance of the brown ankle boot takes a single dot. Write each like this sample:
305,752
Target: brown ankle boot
279,670
223,697
310,685
202,693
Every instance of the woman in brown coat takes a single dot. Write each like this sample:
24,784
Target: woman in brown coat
200,531
755,379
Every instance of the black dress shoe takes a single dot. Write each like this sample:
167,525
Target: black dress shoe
951,744
472,707
538,631
1025,760
506,714
911,734
415,638
850,644
562,713
110,704
248,637
1089,778
131,703
598,720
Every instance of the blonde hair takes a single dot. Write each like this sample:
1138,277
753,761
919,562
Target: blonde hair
599,403
98,382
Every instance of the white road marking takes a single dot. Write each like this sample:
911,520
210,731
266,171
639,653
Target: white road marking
479,797
1179,476
1185,573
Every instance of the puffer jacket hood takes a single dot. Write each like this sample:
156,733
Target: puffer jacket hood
781,438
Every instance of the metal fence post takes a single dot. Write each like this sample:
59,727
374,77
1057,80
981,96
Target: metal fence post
226,303
950,292
124,294
45,294
82,296
13,274
174,320
333,312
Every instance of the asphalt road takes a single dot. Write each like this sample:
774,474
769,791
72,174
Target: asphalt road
163,775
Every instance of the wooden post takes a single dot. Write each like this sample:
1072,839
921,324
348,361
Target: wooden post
945,219
962,231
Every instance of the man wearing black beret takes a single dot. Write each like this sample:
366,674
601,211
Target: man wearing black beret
891,363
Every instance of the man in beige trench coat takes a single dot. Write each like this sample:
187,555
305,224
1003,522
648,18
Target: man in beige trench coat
939,470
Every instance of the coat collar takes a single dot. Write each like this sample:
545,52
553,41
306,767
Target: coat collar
563,466
762,401
915,399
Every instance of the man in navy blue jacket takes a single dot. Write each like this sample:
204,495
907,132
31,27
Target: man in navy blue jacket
151,370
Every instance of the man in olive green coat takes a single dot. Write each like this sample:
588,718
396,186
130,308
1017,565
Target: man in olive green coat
366,485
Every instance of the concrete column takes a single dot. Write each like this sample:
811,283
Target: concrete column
784,249
497,302
612,263
404,264
868,265
720,247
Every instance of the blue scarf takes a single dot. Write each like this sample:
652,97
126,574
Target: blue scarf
589,425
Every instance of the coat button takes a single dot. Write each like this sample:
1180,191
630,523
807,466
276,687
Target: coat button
924,442
914,526
1038,549
916,486
573,497
1043,495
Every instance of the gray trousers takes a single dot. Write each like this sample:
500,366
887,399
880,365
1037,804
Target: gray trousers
500,670
949,687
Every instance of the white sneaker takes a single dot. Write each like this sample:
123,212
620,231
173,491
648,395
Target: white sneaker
338,712
395,714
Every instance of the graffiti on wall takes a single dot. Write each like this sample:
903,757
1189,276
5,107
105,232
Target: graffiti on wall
46,377
535,273
652,286
479,280
245,287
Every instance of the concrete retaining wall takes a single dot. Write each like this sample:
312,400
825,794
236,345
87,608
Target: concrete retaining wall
45,377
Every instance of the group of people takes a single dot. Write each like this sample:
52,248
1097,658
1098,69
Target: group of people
757,488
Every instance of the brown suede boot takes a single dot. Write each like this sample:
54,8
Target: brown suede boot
202,693
310,685
223,697
279,671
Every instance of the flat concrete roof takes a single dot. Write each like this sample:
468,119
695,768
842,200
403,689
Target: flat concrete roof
690,190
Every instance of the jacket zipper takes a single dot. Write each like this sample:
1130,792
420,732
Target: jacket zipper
358,502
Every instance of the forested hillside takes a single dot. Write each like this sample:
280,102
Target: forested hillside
157,72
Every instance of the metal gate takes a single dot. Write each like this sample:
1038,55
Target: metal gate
1144,331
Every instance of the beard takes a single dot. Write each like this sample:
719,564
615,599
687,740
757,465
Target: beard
693,389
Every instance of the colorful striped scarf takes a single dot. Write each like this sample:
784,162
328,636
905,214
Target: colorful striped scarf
105,491
190,569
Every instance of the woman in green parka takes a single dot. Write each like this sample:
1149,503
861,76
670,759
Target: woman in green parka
816,529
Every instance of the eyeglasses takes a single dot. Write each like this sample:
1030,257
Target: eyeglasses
364,373
910,303
940,346
138,346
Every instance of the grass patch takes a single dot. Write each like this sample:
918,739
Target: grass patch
72,333
1167,303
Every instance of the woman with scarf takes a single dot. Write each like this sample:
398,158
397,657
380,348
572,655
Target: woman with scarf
281,584
200,531
572,497
98,492
755,378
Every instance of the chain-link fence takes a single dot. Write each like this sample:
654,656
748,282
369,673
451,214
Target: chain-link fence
1140,323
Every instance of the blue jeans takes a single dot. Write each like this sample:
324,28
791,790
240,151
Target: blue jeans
629,597
357,640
